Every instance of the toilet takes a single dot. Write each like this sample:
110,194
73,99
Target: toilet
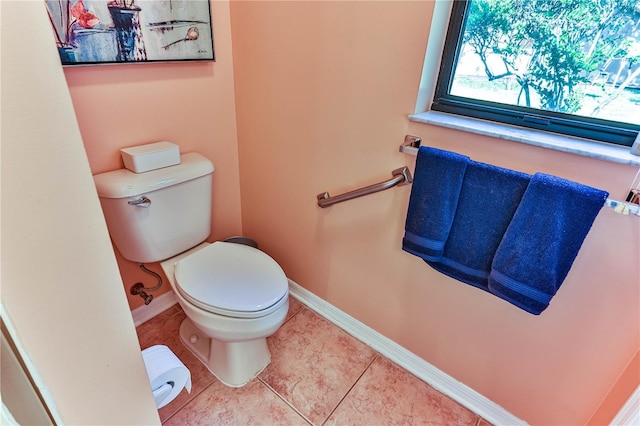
234,296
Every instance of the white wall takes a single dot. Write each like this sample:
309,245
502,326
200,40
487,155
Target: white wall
61,289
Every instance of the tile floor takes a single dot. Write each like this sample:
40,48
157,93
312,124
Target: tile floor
318,375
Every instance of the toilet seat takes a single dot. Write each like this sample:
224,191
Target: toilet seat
232,280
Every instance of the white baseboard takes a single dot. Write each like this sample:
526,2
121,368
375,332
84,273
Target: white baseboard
629,414
439,380
158,305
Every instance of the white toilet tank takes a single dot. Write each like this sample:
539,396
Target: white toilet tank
158,214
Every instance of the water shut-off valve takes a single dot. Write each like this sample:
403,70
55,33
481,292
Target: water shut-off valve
138,288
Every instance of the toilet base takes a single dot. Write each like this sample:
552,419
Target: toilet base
233,363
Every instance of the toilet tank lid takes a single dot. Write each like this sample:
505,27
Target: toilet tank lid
124,183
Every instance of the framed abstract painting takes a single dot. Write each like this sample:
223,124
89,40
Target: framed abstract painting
89,32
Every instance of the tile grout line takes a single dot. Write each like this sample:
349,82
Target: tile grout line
478,404
321,422
187,402
273,390
304,307
377,355
284,400
195,395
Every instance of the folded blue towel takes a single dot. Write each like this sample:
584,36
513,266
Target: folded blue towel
542,240
488,199
437,180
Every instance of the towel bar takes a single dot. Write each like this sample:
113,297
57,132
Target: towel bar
412,143
401,176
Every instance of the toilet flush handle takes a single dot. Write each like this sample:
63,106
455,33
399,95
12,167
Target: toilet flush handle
143,201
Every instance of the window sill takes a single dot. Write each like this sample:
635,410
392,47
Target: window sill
585,147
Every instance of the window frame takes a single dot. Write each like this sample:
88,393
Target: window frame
596,129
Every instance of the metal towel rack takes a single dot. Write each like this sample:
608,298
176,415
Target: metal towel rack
401,176
412,143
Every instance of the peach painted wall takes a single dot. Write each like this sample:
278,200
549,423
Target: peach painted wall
190,104
323,90
619,393
61,289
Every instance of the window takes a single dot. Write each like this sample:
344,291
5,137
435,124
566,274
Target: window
564,66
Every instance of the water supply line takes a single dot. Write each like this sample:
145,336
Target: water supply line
141,290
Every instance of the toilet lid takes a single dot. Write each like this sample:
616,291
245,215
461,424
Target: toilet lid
231,279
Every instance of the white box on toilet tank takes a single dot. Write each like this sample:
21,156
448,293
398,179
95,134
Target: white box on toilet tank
151,156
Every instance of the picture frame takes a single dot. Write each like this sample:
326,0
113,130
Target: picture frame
93,32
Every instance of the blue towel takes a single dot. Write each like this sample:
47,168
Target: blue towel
488,200
437,180
542,240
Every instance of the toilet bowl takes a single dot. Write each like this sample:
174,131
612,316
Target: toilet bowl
234,297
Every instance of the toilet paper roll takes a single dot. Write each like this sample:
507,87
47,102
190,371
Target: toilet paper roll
167,374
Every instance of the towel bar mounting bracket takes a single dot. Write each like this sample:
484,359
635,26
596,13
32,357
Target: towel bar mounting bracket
411,144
